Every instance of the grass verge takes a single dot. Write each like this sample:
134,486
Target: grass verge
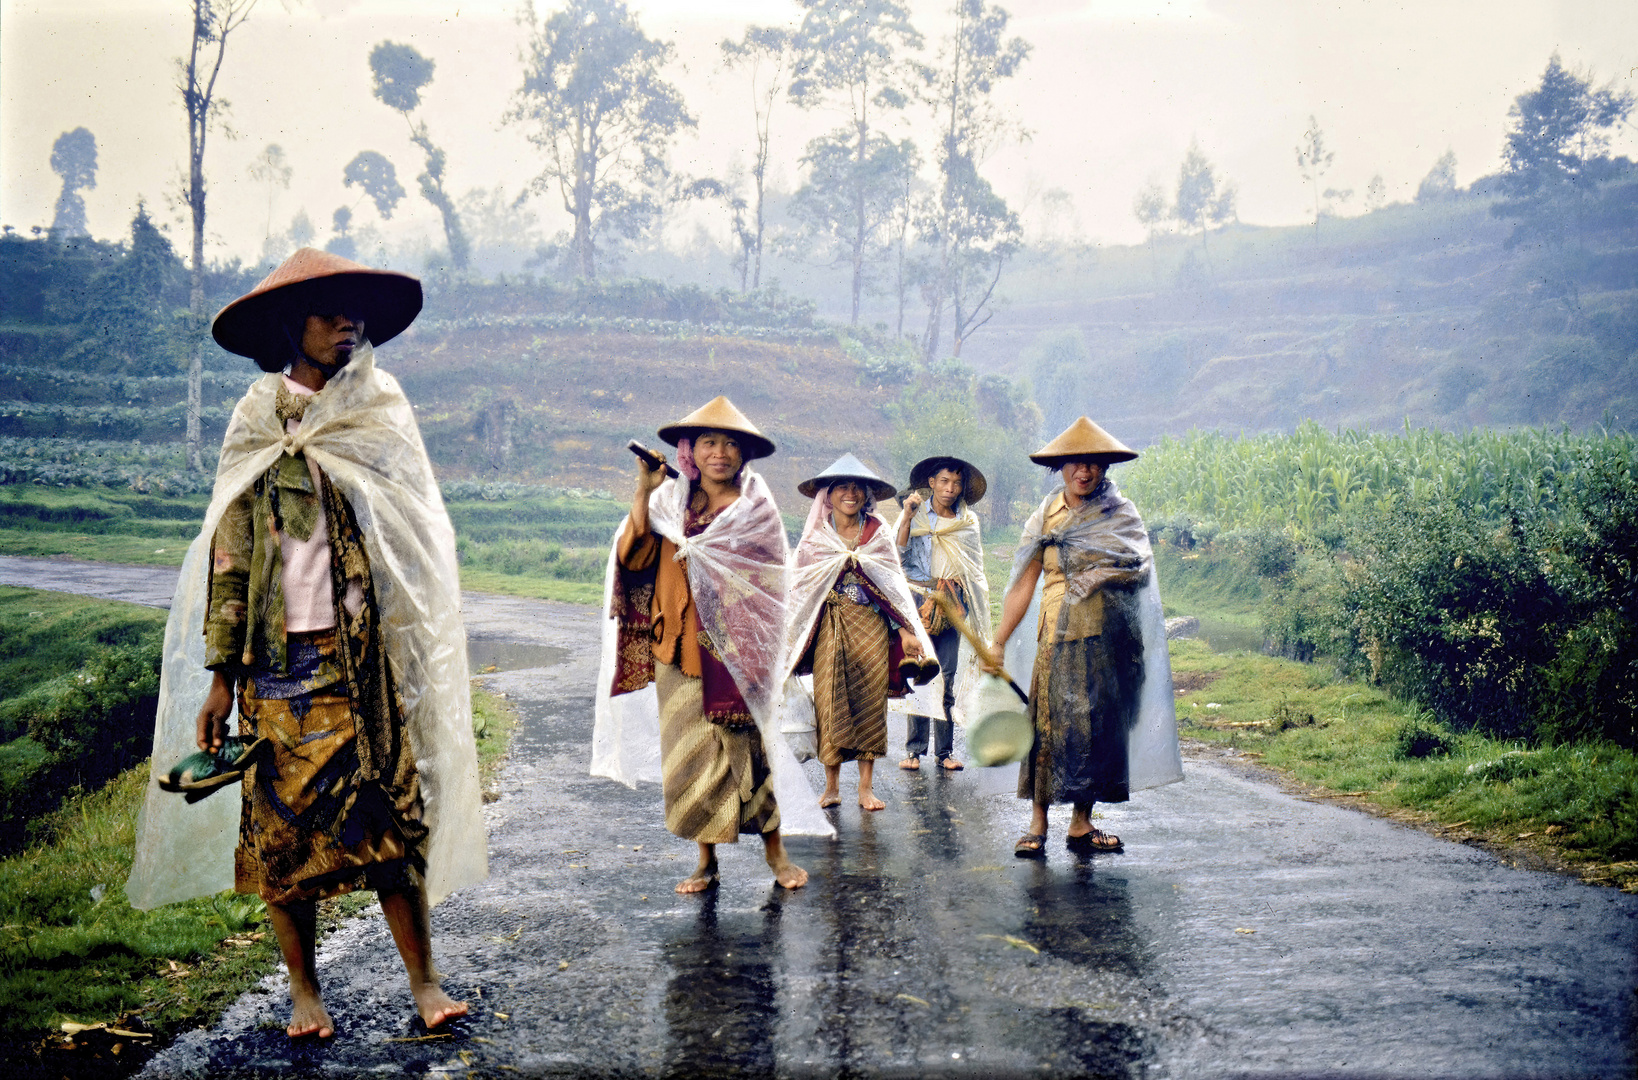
73,951
1575,804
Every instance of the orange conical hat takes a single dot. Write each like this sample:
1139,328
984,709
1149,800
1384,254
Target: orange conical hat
305,283
1083,439
719,414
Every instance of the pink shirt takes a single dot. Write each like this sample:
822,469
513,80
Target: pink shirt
309,600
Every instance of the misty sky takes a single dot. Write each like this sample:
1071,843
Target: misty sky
1112,94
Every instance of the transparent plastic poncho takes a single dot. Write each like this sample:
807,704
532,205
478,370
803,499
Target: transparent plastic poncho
361,431
821,556
740,582
957,539
1103,543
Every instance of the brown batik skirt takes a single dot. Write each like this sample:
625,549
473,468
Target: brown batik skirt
850,674
310,827
716,778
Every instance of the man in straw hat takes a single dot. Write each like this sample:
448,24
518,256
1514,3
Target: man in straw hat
1100,682
325,583
697,589
853,622
939,544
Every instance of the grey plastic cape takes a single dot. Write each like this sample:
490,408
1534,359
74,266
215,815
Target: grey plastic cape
1104,533
361,431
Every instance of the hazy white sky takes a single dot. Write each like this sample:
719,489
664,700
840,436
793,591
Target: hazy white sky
1112,94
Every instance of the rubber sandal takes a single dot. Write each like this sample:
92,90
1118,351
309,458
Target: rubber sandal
1094,841
1030,846
911,763
950,764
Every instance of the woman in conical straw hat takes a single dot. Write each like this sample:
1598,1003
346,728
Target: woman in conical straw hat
697,588
1100,680
939,545
852,622
326,585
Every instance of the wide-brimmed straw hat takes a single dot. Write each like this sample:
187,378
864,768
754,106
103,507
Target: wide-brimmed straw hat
973,484
1083,439
847,467
314,282
719,414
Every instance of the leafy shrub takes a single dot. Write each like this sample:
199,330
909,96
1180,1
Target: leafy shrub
1511,766
1421,738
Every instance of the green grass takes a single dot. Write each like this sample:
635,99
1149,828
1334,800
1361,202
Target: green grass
136,550
66,954
1579,800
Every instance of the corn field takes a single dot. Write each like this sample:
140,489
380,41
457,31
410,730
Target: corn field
1303,480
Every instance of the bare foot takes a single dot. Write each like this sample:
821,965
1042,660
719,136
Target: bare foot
829,799
704,877
868,801
911,764
951,764
788,874
435,1006
308,1017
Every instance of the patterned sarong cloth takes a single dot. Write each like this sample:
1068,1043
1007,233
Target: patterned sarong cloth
312,825
850,679
716,778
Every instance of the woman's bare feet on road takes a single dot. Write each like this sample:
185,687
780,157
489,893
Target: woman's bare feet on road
435,1006
868,801
308,1017
830,799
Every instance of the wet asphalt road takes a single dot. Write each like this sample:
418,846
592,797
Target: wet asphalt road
921,946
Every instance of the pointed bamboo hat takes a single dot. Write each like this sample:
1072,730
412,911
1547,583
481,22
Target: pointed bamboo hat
719,414
1084,439
847,467
313,282
973,484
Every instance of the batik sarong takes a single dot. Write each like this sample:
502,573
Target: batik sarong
311,825
715,776
1084,696
850,681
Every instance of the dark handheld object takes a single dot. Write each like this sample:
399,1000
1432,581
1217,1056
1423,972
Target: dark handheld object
655,460
204,773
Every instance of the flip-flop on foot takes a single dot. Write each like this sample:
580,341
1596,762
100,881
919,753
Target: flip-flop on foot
1094,841
1030,846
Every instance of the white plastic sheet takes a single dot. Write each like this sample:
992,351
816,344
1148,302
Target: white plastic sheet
361,431
740,582
957,540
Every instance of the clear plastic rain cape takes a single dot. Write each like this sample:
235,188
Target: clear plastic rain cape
1104,542
821,556
957,540
361,431
740,596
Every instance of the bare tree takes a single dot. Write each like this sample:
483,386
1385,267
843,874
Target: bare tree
850,55
1376,193
74,158
1203,200
1313,162
213,22
400,72
598,104
765,53
972,227
271,168
1152,211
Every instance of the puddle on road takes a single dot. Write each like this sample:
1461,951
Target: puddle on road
491,657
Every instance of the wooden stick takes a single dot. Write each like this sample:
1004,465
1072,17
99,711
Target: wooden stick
952,611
